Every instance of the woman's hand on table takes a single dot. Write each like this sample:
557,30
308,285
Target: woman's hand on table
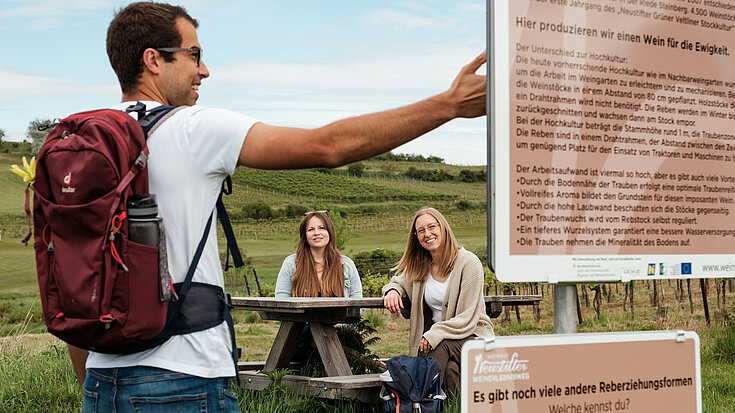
392,301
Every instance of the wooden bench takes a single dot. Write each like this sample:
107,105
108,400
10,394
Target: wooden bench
493,303
260,365
362,387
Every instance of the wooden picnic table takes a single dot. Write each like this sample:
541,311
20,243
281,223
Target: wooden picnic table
321,313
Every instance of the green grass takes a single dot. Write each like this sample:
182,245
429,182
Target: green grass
12,185
279,400
20,313
718,356
18,266
23,356
718,387
38,381
374,318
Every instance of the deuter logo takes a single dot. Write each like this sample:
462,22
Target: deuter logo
67,182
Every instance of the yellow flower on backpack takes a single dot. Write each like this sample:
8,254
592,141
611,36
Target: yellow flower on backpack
28,172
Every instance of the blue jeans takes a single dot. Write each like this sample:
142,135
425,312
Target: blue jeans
150,389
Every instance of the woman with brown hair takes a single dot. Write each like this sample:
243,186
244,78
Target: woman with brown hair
318,269
444,283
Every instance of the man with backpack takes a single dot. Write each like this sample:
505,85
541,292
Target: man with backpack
156,55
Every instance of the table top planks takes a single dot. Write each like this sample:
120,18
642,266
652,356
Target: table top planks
301,303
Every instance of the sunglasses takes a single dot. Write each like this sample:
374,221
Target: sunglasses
196,50
313,212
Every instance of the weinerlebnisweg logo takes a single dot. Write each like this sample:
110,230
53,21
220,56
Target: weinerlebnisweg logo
489,367
67,181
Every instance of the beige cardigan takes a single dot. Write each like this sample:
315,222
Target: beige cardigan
463,312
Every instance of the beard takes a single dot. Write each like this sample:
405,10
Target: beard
180,98
177,91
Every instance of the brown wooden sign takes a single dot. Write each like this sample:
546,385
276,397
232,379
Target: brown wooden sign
581,373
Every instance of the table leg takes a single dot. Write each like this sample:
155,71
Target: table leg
330,349
284,345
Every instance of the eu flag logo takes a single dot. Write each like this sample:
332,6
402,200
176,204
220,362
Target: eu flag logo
686,268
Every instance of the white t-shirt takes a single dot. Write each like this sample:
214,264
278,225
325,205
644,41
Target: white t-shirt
191,153
434,293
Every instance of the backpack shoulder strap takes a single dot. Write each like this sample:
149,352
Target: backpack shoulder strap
195,260
150,119
224,219
153,119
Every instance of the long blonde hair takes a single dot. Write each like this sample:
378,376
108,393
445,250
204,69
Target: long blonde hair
416,260
305,282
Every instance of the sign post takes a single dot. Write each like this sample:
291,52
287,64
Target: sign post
565,306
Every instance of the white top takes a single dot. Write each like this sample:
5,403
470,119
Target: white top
191,153
434,296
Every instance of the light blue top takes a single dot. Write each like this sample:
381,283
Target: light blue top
353,286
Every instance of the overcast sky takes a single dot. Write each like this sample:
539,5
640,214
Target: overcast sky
292,63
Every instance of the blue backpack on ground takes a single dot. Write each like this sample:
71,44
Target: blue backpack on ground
412,385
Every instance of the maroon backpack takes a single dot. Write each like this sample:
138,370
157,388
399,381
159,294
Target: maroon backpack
98,289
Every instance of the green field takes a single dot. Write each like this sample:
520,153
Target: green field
31,360
12,186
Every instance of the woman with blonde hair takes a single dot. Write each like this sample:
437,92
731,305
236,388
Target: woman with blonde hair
444,283
318,269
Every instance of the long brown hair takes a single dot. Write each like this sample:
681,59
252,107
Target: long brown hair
305,282
416,260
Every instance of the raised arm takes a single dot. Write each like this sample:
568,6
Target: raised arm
353,139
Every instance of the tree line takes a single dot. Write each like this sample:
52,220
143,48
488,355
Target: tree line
36,133
404,157
438,175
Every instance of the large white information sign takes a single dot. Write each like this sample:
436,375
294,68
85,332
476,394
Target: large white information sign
612,145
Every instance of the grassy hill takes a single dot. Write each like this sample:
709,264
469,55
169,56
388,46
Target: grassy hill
377,208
